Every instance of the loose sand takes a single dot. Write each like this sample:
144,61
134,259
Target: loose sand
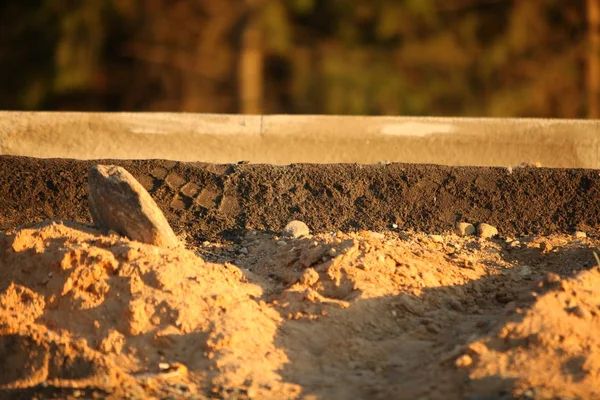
367,315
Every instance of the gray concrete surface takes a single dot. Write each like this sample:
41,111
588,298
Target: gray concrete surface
283,139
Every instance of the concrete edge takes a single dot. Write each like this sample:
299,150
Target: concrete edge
285,139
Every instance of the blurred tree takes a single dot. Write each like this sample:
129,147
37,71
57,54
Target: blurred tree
250,65
593,71
536,67
411,57
29,33
465,57
178,55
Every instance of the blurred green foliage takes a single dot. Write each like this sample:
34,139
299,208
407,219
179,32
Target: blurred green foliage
390,57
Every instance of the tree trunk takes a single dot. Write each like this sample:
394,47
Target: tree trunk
251,67
593,67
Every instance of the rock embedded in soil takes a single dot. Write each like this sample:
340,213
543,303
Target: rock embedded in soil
465,229
486,231
118,202
295,229
464,361
436,238
580,234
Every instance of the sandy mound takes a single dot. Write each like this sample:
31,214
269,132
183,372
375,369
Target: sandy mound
85,309
334,316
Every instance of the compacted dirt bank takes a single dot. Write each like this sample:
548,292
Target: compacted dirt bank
207,201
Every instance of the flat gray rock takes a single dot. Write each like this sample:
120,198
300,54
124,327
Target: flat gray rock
117,201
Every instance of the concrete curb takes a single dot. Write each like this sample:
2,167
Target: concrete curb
283,139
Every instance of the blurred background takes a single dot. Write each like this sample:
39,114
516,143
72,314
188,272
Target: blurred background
500,58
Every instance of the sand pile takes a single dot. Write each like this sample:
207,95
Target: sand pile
83,309
551,350
334,316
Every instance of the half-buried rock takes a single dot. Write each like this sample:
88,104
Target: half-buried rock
117,201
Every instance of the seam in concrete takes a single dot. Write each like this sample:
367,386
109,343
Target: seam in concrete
262,120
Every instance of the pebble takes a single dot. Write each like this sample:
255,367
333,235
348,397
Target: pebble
244,250
295,229
164,366
281,243
464,361
465,229
580,235
528,394
436,238
486,231
118,202
552,277
514,244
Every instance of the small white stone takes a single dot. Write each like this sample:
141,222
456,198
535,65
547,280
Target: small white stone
296,229
164,366
244,250
463,361
281,243
465,229
486,231
395,226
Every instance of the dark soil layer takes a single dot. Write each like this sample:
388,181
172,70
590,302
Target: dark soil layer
208,201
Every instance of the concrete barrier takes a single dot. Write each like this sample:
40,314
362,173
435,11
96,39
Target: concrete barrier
283,139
